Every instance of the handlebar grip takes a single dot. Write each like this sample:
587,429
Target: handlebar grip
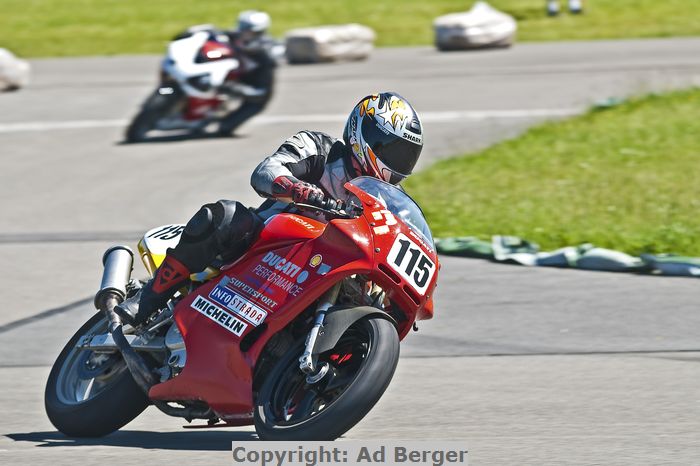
326,204
332,204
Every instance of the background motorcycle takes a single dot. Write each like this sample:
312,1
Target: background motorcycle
199,84
299,336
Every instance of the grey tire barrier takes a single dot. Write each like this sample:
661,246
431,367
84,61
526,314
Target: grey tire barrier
14,73
481,27
329,43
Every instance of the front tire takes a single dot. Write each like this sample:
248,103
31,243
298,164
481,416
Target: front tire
90,394
361,365
155,108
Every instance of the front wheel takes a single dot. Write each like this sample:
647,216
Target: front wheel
361,365
91,394
156,107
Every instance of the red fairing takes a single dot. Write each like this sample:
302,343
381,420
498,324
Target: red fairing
227,322
199,108
213,50
416,304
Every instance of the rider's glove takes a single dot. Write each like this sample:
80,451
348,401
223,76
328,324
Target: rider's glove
288,187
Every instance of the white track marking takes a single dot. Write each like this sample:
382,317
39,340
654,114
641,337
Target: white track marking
431,117
426,117
53,125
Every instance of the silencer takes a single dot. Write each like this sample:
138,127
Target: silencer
118,262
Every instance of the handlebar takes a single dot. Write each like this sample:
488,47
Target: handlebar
332,207
331,204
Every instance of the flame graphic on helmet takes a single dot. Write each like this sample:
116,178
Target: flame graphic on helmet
393,111
373,165
399,110
365,108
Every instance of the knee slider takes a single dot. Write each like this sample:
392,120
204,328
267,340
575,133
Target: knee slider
238,223
201,224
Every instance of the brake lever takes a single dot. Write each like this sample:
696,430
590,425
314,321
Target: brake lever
353,209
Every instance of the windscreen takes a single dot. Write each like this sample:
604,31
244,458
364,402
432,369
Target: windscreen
398,203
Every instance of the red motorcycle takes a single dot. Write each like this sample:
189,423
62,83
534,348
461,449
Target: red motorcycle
299,336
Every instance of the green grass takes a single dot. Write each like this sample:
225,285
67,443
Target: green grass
626,178
34,28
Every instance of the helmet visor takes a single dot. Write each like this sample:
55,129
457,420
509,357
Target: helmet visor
378,169
387,174
397,153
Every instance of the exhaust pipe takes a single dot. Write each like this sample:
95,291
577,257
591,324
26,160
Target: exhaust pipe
118,262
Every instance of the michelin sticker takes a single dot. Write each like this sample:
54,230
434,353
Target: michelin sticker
218,315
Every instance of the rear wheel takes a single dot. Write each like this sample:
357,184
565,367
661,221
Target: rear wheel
361,366
91,394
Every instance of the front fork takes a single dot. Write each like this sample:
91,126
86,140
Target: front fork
306,362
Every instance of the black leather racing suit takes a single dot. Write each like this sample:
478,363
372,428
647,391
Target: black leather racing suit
310,156
227,228
259,81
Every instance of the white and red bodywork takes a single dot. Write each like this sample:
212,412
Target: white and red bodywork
207,57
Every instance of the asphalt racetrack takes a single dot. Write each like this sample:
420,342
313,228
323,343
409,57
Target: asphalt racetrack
526,365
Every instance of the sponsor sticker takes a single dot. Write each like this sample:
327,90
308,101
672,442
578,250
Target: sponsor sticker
302,276
411,137
241,286
278,280
303,223
316,260
238,304
419,238
218,315
279,263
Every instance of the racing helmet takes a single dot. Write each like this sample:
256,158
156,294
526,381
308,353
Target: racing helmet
253,21
385,136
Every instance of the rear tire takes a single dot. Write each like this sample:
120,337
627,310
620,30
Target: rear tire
287,408
111,398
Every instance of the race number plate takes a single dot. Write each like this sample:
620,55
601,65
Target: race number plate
158,240
409,260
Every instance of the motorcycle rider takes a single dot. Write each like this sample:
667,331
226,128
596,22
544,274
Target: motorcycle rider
250,40
382,138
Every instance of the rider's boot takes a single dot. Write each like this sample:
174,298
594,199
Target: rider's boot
170,277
